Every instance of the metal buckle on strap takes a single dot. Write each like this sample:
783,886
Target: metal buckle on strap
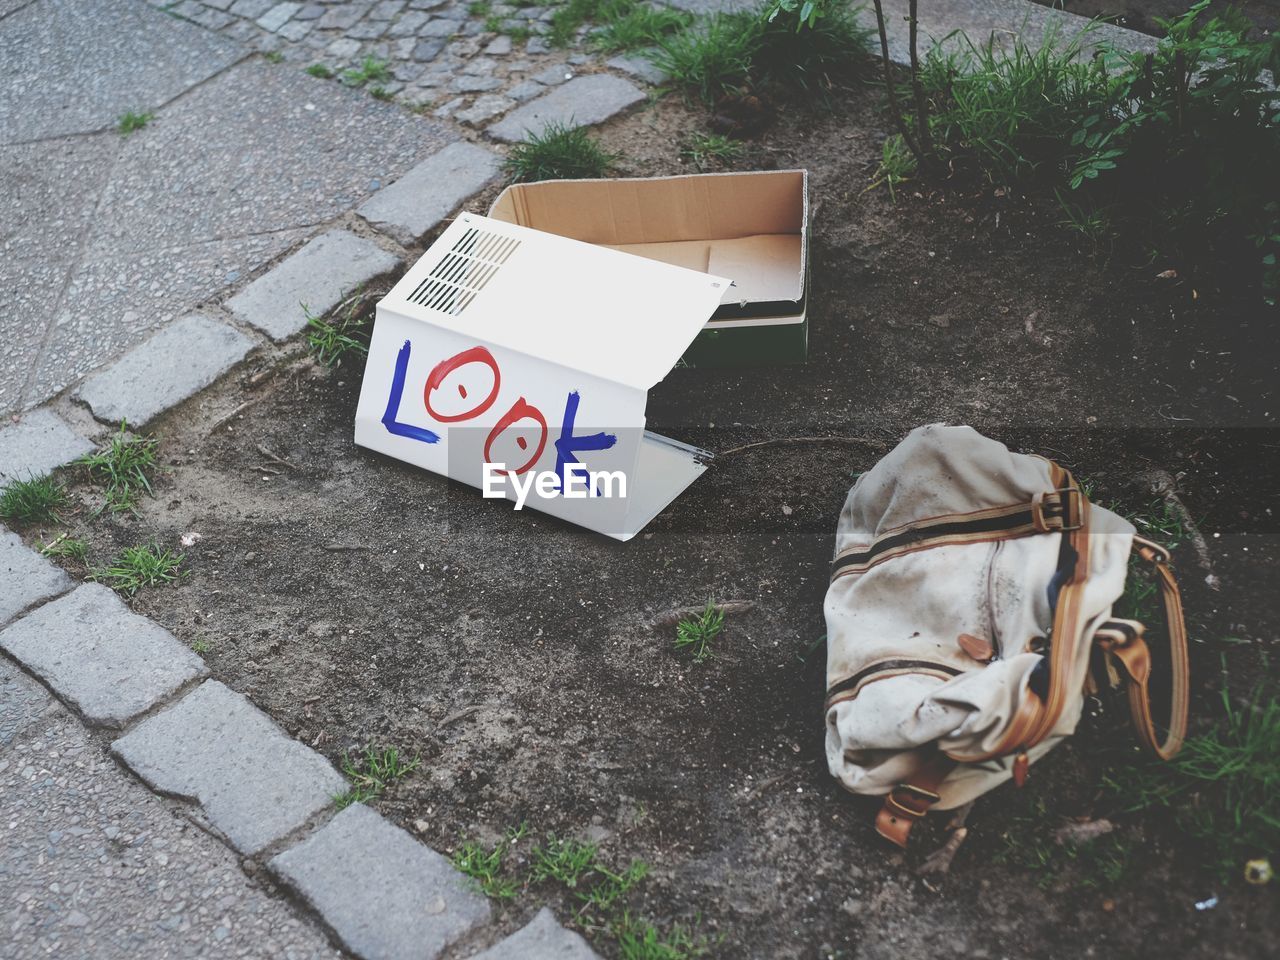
927,797
1158,554
1072,517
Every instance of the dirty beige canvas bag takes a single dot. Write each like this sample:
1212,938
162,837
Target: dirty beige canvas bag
969,586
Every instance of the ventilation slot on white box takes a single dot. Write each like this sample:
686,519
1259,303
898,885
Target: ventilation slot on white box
464,271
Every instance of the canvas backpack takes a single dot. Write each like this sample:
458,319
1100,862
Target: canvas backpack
969,588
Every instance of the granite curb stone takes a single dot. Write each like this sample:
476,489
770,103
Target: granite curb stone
26,578
106,661
317,276
386,895
255,783
423,197
542,938
179,361
583,101
38,443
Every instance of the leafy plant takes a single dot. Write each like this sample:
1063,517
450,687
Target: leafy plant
806,45
711,57
640,940
565,861
321,71
131,122
35,500
696,634
634,24
702,149
371,774
138,567
371,70
896,165
123,467
559,152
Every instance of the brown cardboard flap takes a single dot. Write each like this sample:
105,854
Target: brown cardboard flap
691,254
768,267
659,210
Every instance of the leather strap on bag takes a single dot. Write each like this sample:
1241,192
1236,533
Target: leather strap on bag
1124,641
908,802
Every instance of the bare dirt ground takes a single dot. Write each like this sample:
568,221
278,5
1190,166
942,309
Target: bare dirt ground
358,600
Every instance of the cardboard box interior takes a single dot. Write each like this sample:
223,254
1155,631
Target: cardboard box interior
746,226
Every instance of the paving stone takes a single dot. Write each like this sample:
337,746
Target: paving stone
255,783
344,48
499,46
542,938
429,49
315,278
37,444
278,16
97,867
109,663
23,702
180,360
386,9
484,109
418,202
448,109
368,30
553,76
386,895
537,45
251,9
526,90
582,101
712,6
295,31
481,66
467,84
73,67
640,68
26,578
311,11
409,24
441,28
342,17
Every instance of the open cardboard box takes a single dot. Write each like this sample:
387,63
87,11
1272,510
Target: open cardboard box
750,227
509,346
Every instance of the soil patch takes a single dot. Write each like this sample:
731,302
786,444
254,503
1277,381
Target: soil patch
358,600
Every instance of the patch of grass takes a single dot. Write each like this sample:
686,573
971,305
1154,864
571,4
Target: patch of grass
695,634
897,164
1224,787
138,567
66,547
479,8
273,56
372,773
371,70
711,149
565,861
132,122
805,46
321,71
200,645
634,25
559,152
347,334
380,93
612,887
640,940
712,57
31,501
484,865
123,467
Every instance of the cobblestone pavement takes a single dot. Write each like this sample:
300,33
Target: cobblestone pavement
470,61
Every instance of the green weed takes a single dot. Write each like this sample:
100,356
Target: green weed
897,164
371,70
372,773
132,122
123,467
380,93
320,71
479,8
1224,787
711,57
138,567
66,547
704,150
200,645
31,501
559,152
273,56
695,634
634,24
346,334
484,865
565,861
641,940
